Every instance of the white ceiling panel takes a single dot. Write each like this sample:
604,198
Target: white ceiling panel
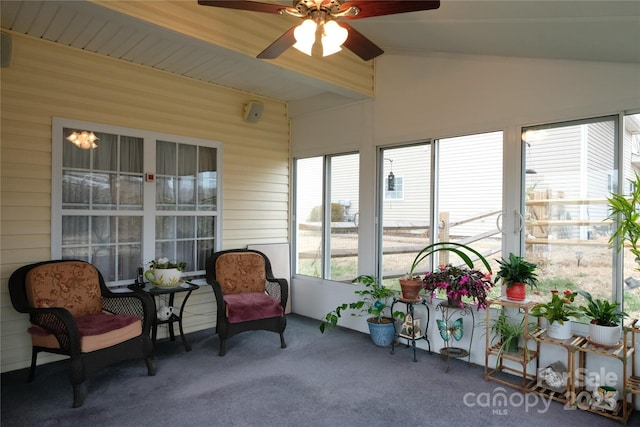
593,30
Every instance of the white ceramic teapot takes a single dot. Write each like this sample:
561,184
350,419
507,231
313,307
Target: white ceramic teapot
164,312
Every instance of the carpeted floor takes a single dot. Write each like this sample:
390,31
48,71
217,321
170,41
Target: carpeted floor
336,379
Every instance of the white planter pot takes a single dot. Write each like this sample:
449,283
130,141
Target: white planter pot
559,331
607,336
164,277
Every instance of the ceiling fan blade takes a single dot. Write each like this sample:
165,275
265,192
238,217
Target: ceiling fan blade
276,48
370,8
253,6
359,44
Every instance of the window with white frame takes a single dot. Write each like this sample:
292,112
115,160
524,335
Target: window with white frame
397,193
326,216
573,169
135,196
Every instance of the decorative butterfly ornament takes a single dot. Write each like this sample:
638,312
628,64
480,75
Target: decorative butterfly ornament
446,331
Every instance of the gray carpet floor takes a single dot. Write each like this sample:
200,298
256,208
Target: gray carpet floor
336,379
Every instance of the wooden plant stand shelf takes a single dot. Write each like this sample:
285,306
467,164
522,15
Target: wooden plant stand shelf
571,345
623,352
520,358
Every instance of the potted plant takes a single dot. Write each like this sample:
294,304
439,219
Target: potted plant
412,283
374,300
515,273
558,312
458,282
165,273
508,331
626,217
606,318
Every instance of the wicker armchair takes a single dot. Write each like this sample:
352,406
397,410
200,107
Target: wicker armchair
248,297
73,313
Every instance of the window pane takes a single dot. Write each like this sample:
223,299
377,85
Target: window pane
309,214
207,179
131,150
131,188
569,168
165,158
76,189
75,230
631,160
405,222
343,244
205,249
106,158
130,229
186,227
92,180
165,227
104,190
470,196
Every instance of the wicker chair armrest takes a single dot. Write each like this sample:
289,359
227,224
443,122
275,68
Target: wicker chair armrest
279,289
220,303
136,303
61,324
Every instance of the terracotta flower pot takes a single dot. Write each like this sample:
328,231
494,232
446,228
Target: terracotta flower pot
516,292
410,289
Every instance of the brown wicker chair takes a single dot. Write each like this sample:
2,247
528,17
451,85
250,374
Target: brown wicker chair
248,297
73,313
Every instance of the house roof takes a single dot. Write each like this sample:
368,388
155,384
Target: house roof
566,29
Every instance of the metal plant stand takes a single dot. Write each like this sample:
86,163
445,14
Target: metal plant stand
454,331
412,338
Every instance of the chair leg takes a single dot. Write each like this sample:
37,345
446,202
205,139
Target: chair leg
223,347
151,370
79,393
32,370
282,343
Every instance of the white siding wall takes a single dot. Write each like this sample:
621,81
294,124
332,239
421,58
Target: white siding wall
47,80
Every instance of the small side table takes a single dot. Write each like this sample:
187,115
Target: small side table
454,331
155,291
412,338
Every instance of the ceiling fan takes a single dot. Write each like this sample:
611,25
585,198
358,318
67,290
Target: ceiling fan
321,17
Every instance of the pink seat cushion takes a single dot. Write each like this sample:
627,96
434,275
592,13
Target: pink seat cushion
97,330
248,306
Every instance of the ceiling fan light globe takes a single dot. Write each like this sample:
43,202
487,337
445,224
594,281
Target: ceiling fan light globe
304,48
329,48
333,36
305,35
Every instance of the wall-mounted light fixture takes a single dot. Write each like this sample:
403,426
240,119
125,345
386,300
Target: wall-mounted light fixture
84,139
391,179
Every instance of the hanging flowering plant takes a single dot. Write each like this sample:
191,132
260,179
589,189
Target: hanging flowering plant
459,282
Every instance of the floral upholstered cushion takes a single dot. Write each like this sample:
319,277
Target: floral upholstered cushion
241,272
73,285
